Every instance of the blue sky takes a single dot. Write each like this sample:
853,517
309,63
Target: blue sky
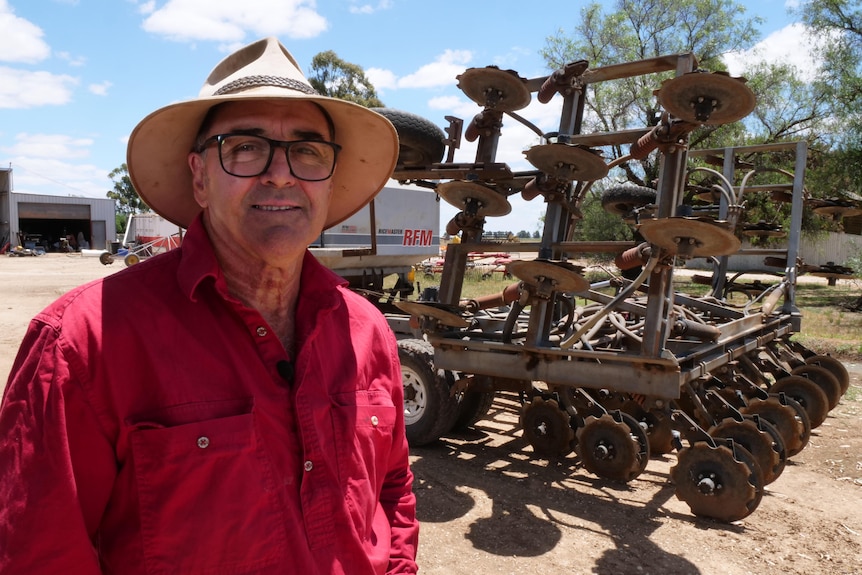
77,75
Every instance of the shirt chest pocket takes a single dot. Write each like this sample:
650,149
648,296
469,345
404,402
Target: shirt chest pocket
207,497
363,423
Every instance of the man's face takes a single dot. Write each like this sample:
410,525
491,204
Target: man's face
272,217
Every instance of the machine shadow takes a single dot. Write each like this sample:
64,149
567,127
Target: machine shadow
536,504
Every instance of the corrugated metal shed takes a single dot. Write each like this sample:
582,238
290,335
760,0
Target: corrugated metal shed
48,217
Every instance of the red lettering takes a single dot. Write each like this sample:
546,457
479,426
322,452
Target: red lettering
418,237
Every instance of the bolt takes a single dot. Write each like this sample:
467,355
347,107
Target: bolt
706,485
602,451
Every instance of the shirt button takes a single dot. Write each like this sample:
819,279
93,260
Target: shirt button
203,442
374,420
309,466
261,331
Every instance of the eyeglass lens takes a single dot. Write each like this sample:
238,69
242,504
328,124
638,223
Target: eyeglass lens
245,156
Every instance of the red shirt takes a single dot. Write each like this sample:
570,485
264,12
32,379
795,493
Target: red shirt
145,428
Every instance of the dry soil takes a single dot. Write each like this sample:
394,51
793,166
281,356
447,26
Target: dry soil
487,505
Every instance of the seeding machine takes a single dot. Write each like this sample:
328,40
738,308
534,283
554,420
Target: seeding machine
623,369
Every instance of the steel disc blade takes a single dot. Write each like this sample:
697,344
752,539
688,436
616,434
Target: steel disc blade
491,87
693,237
546,427
560,276
706,98
472,197
607,449
715,484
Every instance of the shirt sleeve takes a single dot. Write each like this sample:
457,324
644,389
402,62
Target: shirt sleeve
56,465
397,497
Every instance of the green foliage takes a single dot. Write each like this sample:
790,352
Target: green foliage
126,198
838,25
599,225
790,105
332,76
636,30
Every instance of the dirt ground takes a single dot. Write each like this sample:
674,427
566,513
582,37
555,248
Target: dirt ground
488,506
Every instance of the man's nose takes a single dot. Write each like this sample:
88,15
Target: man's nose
279,173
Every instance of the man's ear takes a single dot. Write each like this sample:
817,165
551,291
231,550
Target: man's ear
196,165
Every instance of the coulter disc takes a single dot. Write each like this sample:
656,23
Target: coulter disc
716,484
608,449
807,393
546,428
759,443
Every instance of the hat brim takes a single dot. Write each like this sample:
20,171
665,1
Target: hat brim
159,146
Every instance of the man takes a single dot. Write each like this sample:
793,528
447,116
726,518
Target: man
229,406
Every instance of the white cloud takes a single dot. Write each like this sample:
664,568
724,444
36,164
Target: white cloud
220,20
23,89
441,72
381,79
356,8
510,59
20,39
100,89
449,103
51,164
49,146
74,61
793,45
59,178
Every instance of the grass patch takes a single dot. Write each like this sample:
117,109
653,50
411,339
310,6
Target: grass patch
829,326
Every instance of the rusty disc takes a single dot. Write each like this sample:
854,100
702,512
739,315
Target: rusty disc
715,483
838,210
546,428
564,277
459,193
692,237
426,310
781,196
608,448
706,98
794,430
491,87
568,162
758,442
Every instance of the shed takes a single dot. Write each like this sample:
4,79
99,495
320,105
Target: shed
43,221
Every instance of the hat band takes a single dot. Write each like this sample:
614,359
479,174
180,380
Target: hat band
258,81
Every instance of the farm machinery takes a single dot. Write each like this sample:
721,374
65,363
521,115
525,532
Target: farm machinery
627,368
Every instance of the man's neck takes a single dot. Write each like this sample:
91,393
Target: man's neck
272,291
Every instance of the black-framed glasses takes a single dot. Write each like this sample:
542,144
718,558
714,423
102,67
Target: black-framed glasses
248,156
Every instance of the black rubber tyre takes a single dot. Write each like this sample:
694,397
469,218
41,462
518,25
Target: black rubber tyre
622,200
421,141
473,406
430,409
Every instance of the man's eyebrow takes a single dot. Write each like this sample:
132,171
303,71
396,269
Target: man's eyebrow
309,135
297,134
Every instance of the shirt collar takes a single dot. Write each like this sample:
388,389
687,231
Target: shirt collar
199,262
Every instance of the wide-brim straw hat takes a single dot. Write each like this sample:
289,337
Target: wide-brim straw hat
157,154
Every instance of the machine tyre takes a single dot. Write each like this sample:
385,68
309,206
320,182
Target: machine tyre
430,409
421,141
